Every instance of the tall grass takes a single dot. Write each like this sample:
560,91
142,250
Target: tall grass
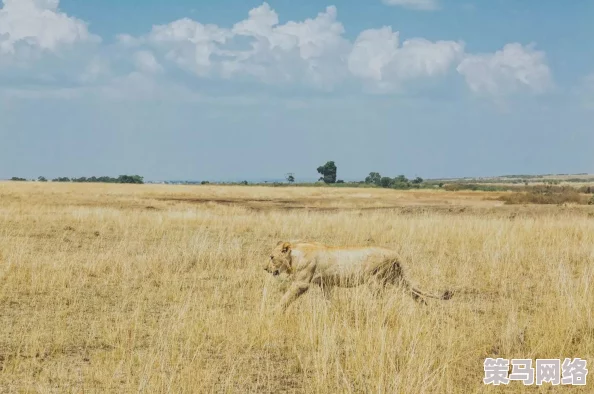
99,293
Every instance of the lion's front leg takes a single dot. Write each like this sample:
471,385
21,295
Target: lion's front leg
296,290
325,285
327,292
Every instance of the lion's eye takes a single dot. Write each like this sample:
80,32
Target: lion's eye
271,257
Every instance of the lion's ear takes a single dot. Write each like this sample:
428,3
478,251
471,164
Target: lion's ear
286,247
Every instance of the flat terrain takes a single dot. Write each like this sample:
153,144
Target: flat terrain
563,179
157,288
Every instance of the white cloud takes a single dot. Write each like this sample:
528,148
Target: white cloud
372,52
127,40
377,56
145,62
39,24
188,43
260,22
512,69
423,5
312,53
96,69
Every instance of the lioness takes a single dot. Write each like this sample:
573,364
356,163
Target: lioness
309,263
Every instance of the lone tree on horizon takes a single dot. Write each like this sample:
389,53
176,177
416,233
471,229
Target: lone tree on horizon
328,172
290,178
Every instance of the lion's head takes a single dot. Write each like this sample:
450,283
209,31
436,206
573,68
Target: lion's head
280,259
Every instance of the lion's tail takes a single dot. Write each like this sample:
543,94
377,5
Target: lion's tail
395,273
445,296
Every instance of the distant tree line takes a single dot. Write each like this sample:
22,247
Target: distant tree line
104,179
329,175
137,179
399,182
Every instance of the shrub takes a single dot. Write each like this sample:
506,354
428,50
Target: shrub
545,195
386,181
400,185
453,187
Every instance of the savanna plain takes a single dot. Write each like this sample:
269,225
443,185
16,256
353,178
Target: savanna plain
161,288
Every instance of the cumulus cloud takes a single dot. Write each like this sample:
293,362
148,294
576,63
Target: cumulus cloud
378,57
145,62
188,43
38,24
512,69
312,53
423,5
97,69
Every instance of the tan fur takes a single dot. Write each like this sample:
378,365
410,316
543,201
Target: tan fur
309,263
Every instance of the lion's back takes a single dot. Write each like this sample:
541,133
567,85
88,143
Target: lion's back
345,259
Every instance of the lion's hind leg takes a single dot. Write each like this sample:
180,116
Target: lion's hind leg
376,286
391,273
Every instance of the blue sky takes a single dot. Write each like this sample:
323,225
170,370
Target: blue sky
233,90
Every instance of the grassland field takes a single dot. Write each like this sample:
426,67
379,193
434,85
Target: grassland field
160,289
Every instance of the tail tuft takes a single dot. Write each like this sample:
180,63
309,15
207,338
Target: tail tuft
447,295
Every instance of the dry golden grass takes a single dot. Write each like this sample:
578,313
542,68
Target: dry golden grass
121,288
